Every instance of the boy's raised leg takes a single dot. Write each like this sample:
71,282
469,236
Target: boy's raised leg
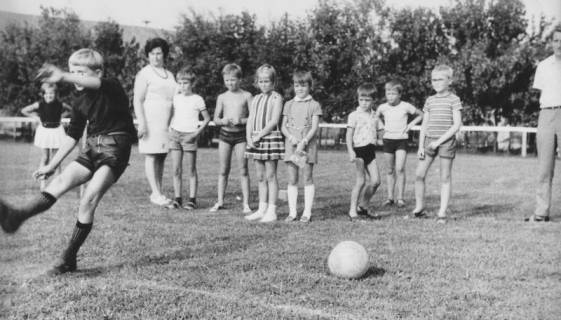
11,217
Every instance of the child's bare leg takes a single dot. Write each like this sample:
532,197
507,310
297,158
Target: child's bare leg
263,190
445,184
372,182
309,191
244,174
45,158
273,186
390,174
225,156
420,175
358,186
292,190
177,167
400,159
193,176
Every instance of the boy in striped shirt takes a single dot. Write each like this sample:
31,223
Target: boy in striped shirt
441,121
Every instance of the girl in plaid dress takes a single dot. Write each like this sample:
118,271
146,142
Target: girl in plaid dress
265,143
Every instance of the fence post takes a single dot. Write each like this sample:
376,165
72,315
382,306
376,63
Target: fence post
524,143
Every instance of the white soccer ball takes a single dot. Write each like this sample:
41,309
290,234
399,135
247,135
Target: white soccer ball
348,260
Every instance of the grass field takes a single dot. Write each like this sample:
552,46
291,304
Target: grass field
143,262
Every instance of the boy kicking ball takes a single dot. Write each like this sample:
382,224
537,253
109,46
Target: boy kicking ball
102,105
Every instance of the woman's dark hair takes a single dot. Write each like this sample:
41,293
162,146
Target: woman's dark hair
153,43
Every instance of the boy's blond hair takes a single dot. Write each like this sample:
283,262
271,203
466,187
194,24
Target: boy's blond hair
444,69
233,69
366,90
268,69
86,57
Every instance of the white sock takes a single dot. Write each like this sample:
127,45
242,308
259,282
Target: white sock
292,194
309,193
271,209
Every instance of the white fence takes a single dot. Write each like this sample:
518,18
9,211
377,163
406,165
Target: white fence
14,125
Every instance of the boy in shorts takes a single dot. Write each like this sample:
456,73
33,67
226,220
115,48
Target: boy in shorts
102,105
361,142
232,110
442,119
184,130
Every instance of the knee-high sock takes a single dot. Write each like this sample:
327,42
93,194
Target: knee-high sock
79,235
309,193
11,217
292,195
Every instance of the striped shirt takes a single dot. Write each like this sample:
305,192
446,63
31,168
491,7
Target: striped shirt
261,110
440,110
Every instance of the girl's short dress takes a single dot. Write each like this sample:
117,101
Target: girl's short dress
50,133
270,147
299,114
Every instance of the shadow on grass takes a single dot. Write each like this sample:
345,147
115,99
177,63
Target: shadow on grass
373,272
484,210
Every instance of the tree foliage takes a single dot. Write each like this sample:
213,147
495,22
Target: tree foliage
492,47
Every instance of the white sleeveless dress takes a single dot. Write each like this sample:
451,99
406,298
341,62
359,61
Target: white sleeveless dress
157,109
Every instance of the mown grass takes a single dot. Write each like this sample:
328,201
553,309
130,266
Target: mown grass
143,262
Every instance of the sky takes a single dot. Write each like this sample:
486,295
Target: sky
154,13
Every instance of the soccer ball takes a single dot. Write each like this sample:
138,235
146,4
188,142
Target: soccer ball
348,260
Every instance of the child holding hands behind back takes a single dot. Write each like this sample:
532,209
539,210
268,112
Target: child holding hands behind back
441,121
361,142
299,126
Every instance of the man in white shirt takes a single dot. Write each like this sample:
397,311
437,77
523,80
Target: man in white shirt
548,81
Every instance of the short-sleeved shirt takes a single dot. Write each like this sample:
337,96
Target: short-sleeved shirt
364,124
106,109
548,80
186,110
395,119
299,114
440,110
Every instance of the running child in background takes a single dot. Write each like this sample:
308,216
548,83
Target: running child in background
50,134
361,144
184,131
300,124
394,115
102,106
232,110
265,143
442,119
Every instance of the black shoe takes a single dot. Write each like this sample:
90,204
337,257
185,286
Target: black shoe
361,211
8,219
62,267
536,218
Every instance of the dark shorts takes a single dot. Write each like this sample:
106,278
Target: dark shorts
445,150
392,145
232,137
366,153
184,141
112,150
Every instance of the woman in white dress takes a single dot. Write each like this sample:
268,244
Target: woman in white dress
154,88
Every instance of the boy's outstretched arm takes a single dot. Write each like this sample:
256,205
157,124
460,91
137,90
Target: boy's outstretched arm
52,74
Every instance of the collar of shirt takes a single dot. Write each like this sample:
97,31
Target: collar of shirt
371,112
306,98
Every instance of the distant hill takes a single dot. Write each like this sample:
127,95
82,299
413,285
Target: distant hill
140,33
